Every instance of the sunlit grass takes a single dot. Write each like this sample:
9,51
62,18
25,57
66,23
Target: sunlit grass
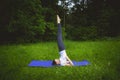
104,57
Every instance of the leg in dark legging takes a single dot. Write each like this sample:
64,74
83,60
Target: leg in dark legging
59,39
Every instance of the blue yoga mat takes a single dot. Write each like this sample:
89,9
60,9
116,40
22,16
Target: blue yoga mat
48,63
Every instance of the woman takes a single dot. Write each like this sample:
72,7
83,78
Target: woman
64,60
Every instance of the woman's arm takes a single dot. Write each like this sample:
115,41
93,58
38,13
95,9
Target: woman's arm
71,63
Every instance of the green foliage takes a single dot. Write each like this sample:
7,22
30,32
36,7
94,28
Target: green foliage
103,15
50,32
82,33
105,23
28,22
25,20
35,20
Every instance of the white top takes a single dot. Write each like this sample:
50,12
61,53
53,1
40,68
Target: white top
63,59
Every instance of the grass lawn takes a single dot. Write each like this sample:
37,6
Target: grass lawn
104,57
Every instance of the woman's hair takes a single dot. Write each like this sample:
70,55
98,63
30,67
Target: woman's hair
53,62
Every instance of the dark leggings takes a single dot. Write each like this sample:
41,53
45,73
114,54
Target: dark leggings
59,38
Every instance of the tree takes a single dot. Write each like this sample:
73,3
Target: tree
104,15
23,20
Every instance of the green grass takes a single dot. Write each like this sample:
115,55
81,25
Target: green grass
104,57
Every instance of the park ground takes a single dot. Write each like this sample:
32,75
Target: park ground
104,57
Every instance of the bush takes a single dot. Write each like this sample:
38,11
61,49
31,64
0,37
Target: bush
82,33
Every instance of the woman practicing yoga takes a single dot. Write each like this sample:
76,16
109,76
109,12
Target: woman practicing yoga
64,60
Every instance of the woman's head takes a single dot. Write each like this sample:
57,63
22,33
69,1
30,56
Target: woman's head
56,62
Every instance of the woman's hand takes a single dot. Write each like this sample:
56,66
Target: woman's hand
70,62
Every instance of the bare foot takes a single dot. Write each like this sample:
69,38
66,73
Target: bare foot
58,19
